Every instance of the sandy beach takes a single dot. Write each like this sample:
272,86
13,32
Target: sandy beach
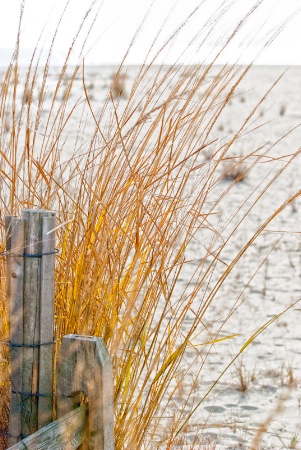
259,394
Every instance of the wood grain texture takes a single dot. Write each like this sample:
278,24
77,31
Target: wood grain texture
15,247
66,433
84,366
38,299
31,322
46,320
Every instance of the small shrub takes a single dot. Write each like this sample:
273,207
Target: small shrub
282,110
118,85
234,171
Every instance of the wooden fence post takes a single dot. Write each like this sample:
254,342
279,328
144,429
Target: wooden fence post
85,400
84,366
15,248
30,290
46,317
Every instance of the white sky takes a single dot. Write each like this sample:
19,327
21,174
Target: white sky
117,21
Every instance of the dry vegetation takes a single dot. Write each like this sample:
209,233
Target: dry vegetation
118,85
129,202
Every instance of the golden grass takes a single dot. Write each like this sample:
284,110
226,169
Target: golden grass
131,195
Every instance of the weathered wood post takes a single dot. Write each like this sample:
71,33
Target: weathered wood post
84,367
47,290
30,274
84,400
14,249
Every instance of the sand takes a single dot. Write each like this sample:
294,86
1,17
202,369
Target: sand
263,386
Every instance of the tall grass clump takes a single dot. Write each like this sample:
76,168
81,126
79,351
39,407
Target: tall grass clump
135,192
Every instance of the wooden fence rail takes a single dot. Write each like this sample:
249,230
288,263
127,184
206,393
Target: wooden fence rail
67,432
84,394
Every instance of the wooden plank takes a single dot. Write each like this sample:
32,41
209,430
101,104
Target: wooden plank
65,433
31,321
84,365
15,247
46,317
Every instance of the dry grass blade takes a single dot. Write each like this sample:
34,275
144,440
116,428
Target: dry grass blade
135,194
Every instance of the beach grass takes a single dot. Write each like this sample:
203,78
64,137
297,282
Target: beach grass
135,191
